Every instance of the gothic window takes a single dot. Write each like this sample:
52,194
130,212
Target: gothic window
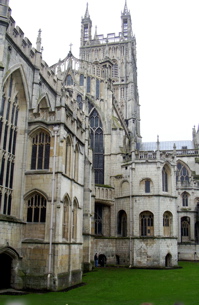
98,219
68,158
40,151
65,225
182,174
125,27
147,186
96,135
69,80
79,101
97,88
76,165
146,224
36,208
115,70
85,32
164,180
185,229
88,84
74,220
167,224
122,223
81,80
185,197
8,136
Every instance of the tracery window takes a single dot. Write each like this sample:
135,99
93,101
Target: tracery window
74,220
96,136
9,109
40,151
146,224
185,197
182,174
36,208
185,228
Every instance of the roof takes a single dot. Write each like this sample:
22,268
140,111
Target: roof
166,145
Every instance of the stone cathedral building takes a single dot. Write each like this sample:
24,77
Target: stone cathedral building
76,177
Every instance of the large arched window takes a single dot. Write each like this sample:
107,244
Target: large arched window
182,174
76,164
68,157
146,224
40,150
122,223
66,218
185,229
69,80
9,112
36,208
96,134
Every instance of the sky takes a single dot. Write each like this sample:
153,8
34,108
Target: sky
167,35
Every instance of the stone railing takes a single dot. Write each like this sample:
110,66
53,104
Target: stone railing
104,194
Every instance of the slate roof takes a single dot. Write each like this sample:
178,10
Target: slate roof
166,145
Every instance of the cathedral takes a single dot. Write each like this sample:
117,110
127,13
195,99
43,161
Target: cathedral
76,178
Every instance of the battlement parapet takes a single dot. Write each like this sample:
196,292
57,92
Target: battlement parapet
16,34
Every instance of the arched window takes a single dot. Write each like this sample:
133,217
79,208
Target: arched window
146,224
81,80
88,88
68,159
76,164
79,102
167,224
147,186
185,197
36,208
74,220
97,145
69,80
65,225
97,88
115,70
40,150
185,229
182,174
122,223
164,180
9,111
98,219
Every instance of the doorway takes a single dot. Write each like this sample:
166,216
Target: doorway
5,271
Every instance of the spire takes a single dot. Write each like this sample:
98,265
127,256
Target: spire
39,41
126,12
87,13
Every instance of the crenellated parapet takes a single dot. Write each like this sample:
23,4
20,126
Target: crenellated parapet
16,36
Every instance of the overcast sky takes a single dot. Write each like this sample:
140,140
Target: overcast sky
167,34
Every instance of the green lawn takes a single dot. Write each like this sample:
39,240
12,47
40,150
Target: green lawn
111,286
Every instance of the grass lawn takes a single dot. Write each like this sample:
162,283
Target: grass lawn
111,286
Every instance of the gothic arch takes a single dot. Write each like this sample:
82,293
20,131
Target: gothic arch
18,68
36,190
183,172
122,223
124,187
43,101
167,223
39,128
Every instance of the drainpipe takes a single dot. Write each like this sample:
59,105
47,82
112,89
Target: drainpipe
130,221
55,129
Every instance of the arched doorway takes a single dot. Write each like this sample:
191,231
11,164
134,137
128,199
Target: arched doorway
5,271
168,260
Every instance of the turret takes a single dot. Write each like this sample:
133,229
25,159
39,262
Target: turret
126,22
86,29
